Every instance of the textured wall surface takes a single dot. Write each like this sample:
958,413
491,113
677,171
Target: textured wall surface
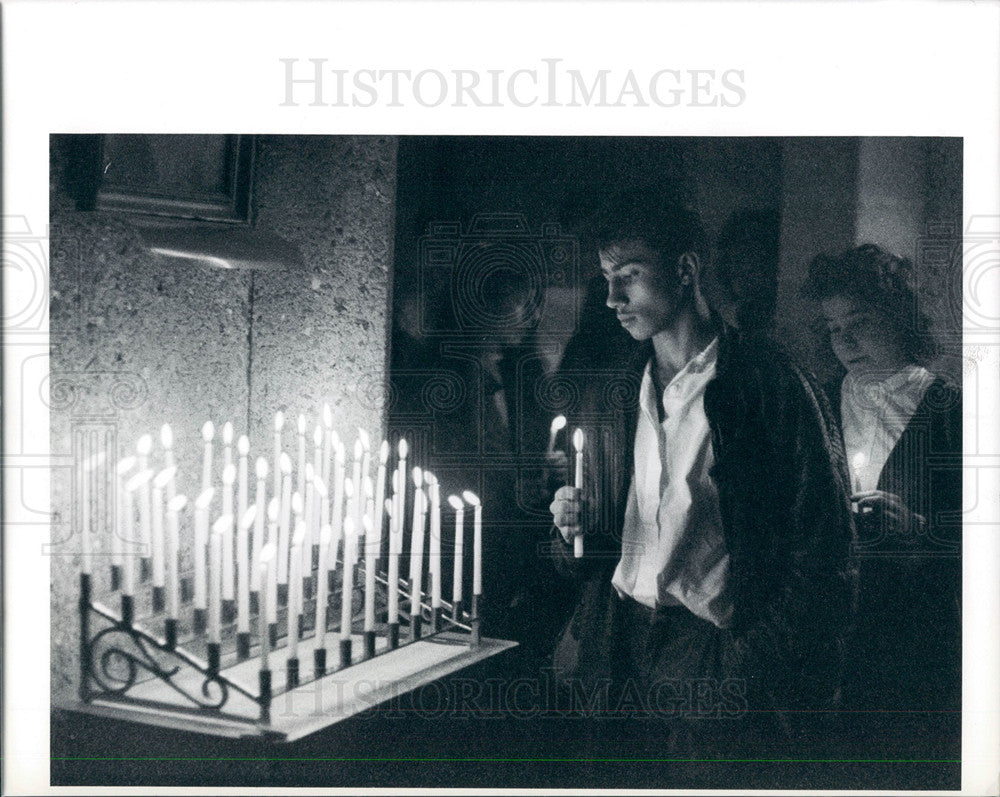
137,340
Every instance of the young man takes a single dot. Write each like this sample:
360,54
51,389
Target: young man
715,580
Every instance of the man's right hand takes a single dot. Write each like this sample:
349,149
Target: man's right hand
566,514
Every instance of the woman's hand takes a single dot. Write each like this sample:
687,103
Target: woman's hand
565,509
890,508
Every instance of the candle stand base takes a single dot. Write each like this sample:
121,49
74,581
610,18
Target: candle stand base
393,636
116,578
199,621
292,672
435,619
170,632
159,599
415,626
243,645
345,653
228,611
319,662
272,634
369,644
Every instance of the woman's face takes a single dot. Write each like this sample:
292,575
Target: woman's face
864,340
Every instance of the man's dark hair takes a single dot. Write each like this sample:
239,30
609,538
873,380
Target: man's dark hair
661,222
880,281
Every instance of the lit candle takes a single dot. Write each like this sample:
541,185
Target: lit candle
285,519
300,474
337,518
162,479
477,541
359,449
368,514
366,461
383,458
266,559
143,449
393,597
322,562
312,533
174,507
298,516
402,450
578,484
434,489
271,585
321,586
295,589
215,578
279,423
260,501
310,516
456,589
227,444
327,442
243,570
201,506
228,576
858,462
558,423
417,544
242,475
207,433
369,574
346,598
122,470
167,441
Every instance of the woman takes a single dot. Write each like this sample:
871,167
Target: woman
902,428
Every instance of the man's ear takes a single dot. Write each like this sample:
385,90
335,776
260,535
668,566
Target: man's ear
688,267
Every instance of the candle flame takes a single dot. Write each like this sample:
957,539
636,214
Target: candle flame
559,422
125,465
144,445
327,416
285,463
261,468
383,452
243,445
222,525
302,424
296,503
318,436
273,507
456,503
167,436
418,477
141,478
279,420
177,503
227,433
204,499
578,439
229,474
268,553
859,460
248,517
208,431
471,498
403,448
430,478
164,476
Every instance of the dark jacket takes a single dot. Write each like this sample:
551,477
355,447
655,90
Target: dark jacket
782,483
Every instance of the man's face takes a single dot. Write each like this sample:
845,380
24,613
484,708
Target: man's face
642,290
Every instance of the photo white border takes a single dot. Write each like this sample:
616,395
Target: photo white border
816,68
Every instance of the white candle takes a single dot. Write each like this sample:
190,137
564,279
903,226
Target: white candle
174,506
477,541
393,598
215,578
227,444
295,589
383,458
143,448
121,471
346,598
207,433
279,423
228,576
201,506
242,476
167,441
267,554
270,586
337,517
298,517
359,450
243,570
459,507
368,514
310,518
321,586
300,474
858,462
417,543
327,442
402,450
369,575
578,484
163,478
285,518
558,423
435,547
260,501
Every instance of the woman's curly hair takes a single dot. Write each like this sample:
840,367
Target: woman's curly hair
881,281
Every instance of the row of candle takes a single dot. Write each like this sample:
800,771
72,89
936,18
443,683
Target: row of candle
320,520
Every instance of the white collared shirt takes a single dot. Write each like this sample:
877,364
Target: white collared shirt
673,551
875,412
